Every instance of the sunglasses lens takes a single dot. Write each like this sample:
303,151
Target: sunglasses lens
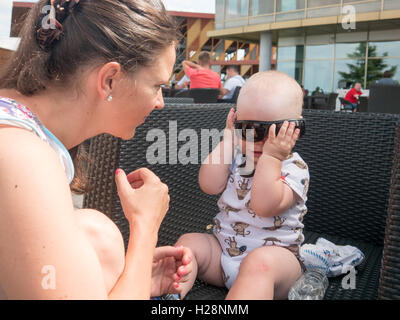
251,131
260,132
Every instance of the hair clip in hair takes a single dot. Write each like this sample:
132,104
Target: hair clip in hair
51,29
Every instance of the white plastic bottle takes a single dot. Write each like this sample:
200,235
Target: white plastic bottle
312,285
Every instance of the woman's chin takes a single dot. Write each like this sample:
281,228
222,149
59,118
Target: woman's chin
128,136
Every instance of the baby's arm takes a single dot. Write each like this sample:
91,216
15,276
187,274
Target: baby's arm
214,176
269,196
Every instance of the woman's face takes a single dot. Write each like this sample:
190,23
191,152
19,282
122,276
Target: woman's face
136,97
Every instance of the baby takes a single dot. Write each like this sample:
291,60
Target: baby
254,248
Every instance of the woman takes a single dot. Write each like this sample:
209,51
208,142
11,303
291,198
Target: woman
83,68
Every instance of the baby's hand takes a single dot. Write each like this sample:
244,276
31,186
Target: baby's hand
230,126
280,146
230,120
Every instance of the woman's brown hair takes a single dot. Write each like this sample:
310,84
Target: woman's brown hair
89,33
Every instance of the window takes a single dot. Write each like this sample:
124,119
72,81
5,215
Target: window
391,4
324,51
291,53
289,5
259,7
291,61
236,8
383,49
348,72
292,68
321,3
318,73
351,50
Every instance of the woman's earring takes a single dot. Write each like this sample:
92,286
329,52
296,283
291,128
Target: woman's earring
109,98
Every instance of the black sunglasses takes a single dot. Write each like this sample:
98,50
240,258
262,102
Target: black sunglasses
261,128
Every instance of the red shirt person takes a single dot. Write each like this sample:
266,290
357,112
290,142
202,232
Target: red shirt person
353,95
201,76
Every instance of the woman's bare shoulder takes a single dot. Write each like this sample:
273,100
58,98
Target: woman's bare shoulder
26,158
37,224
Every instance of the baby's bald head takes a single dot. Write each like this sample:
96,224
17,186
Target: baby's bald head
270,96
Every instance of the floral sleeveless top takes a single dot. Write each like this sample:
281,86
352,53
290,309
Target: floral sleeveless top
15,114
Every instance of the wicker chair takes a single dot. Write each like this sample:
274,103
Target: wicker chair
234,98
354,196
179,100
384,98
204,95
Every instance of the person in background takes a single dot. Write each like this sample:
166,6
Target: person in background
183,84
352,97
233,80
387,79
305,91
201,75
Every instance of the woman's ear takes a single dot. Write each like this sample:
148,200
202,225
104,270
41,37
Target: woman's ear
107,76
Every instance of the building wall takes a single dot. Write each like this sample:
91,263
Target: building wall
313,44
236,13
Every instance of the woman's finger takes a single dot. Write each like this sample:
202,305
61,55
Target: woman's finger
166,252
137,184
121,181
144,175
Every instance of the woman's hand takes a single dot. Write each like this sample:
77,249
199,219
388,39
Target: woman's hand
144,198
281,145
171,265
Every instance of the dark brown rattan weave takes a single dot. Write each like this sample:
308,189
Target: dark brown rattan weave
353,186
390,275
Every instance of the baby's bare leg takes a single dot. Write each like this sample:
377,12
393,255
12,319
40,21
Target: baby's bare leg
206,260
106,240
266,273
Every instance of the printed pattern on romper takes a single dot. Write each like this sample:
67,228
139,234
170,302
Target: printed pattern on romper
239,230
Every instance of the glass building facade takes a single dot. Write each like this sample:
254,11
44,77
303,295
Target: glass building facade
339,60
234,13
328,58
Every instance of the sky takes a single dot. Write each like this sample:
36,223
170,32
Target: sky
204,6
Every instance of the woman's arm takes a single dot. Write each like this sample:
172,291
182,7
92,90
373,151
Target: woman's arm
214,172
189,64
145,200
43,254
40,240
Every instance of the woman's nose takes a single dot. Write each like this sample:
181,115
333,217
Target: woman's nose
160,101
